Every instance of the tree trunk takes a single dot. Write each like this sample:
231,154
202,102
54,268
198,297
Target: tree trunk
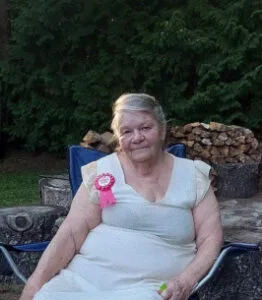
237,180
55,190
23,225
239,278
3,30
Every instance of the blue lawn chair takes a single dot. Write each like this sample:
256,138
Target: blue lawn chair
79,156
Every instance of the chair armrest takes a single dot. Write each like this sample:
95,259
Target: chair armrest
32,247
226,249
12,264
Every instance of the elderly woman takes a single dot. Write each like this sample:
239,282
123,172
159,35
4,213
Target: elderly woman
141,218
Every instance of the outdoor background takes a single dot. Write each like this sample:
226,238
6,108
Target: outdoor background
64,62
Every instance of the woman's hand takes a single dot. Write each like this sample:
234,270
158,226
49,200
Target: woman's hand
178,288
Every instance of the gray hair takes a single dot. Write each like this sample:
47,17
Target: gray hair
137,102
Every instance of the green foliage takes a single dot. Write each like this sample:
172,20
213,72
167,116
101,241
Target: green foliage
70,59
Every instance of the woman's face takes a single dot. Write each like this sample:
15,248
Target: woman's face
140,135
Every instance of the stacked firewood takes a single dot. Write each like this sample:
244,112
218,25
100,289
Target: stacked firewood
104,142
217,143
214,142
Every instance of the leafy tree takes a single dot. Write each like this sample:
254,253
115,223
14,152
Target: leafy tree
70,59
3,56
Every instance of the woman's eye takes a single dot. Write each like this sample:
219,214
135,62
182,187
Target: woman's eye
145,128
126,131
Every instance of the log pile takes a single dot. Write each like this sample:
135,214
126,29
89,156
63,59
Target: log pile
213,142
217,143
232,151
104,142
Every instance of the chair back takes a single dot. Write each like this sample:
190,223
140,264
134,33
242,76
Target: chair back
78,157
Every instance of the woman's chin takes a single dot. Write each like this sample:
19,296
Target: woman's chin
141,155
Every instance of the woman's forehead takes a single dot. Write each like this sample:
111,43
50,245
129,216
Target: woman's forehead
131,117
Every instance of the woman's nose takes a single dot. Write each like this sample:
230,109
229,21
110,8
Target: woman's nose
137,136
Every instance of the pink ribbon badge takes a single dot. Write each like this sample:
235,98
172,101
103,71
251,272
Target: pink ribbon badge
104,183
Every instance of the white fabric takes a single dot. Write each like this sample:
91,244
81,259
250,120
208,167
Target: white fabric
139,244
202,169
202,179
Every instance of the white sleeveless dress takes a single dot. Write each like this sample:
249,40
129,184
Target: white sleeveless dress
139,244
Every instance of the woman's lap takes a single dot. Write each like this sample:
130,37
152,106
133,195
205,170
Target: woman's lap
129,294
67,286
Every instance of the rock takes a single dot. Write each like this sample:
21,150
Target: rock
242,219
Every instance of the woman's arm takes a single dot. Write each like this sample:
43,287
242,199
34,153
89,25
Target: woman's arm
209,238
82,217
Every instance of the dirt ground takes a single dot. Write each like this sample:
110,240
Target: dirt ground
10,292
18,161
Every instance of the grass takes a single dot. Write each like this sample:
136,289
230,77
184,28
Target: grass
19,189
19,176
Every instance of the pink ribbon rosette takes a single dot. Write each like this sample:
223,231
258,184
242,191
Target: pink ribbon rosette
104,183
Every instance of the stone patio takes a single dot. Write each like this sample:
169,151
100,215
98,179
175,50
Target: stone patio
242,219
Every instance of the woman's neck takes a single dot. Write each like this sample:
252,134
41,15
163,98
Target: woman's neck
148,167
